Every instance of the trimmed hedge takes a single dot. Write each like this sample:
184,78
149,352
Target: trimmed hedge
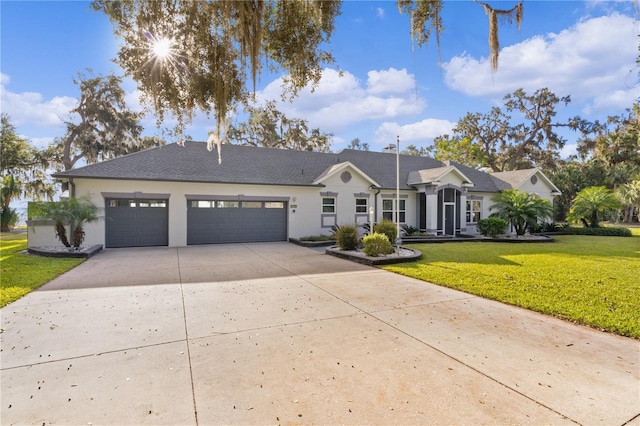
492,226
376,245
347,237
387,228
602,232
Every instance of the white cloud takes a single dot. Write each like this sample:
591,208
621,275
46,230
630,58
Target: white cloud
420,133
380,12
31,109
390,81
342,100
590,61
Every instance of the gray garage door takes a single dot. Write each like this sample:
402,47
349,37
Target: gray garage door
136,223
211,222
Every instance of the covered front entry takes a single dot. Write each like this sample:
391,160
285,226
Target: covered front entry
132,222
439,210
224,221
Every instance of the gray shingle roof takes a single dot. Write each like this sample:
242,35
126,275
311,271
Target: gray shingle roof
267,166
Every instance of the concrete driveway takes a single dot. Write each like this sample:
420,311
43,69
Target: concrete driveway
280,334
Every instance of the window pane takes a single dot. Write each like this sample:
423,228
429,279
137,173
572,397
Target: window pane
274,205
132,203
361,205
251,204
227,204
477,205
328,205
468,206
402,204
449,195
387,204
143,204
158,203
387,215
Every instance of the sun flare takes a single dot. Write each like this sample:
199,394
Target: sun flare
162,48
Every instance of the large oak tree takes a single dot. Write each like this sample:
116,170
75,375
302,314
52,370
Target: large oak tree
188,56
102,126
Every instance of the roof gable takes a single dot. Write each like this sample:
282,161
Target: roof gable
437,175
339,168
517,178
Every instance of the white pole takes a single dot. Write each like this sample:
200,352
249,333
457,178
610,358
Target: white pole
397,189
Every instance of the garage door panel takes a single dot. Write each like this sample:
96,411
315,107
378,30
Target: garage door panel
235,222
130,225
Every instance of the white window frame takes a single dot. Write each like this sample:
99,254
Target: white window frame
389,213
326,205
473,214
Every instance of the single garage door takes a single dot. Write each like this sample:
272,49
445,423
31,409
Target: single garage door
136,222
212,222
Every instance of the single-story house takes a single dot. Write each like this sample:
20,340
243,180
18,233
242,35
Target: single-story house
179,195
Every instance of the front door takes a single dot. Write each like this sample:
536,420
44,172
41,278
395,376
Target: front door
449,219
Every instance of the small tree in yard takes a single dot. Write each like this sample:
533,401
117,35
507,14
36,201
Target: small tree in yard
521,209
75,212
590,205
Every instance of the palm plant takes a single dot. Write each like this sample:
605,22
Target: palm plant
521,209
629,196
75,212
590,205
10,188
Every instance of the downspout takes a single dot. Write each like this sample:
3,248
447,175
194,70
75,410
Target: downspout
72,194
375,203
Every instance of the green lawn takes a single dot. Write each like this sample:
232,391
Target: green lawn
589,280
21,273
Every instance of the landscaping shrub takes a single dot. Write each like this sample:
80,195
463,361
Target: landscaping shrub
317,238
387,228
409,230
376,245
347,237
492,226
606,232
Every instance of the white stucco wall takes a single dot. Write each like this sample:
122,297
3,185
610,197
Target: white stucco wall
41,233
303,213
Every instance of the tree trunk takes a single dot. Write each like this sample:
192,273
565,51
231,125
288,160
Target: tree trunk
78,236
61,233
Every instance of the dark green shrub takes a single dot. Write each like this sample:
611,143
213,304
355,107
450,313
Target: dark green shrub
602,232
409,230
376,245
317,238
492,226
387,228
347,237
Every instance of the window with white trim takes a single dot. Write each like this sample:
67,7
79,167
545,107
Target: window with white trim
361,205
388,210
474,211
328,205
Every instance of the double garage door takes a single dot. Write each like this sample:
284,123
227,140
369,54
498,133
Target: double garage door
221,221
145,222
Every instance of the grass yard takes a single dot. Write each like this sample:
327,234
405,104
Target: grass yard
589,280
21,273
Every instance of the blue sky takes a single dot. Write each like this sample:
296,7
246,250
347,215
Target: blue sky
389,86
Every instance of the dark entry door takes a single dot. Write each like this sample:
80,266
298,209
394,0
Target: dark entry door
449,219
